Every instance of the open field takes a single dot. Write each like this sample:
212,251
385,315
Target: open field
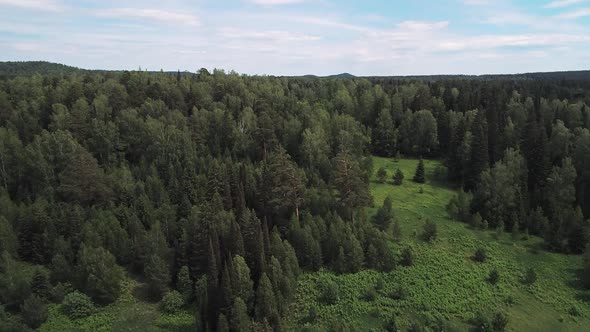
445,281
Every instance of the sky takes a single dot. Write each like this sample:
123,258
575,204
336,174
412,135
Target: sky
298,37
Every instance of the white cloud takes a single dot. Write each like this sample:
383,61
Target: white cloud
276,2
477,2
562,3
151,14
422,26
42,5
274,35
582,12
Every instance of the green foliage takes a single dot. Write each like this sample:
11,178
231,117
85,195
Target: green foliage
99,275
329,293
34,311
171,302
77,305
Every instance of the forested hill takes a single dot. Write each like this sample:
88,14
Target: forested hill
14,68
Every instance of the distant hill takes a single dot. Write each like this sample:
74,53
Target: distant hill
14,68
343,75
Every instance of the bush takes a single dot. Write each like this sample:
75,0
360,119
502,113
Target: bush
499,322
171,302
407,257
381,175
480,255
494,277
34,311
430,231
530,276
399,293
329,292
370,294
77,305
391,325
480,323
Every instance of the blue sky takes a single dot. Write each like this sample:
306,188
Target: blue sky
295,37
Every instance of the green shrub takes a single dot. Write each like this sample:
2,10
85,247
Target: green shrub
399,293
530,276
494,277
499,322
480,323
407,257
370,294
171,302
381,175
77,305
430,231
480,255
329,292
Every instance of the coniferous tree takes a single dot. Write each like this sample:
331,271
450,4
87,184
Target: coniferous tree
479,160
384,216
398,177
266,305
419,175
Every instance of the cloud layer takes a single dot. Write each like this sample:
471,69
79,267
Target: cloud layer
295,37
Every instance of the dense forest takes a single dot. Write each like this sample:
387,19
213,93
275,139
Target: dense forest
218,190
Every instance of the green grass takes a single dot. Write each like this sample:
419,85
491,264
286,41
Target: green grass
444,280
127,314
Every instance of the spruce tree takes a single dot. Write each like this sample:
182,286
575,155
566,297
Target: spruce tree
419,175
40,285
398,177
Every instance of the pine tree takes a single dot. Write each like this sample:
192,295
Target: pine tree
419,176
348,180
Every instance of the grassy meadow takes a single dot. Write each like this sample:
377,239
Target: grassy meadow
444,281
